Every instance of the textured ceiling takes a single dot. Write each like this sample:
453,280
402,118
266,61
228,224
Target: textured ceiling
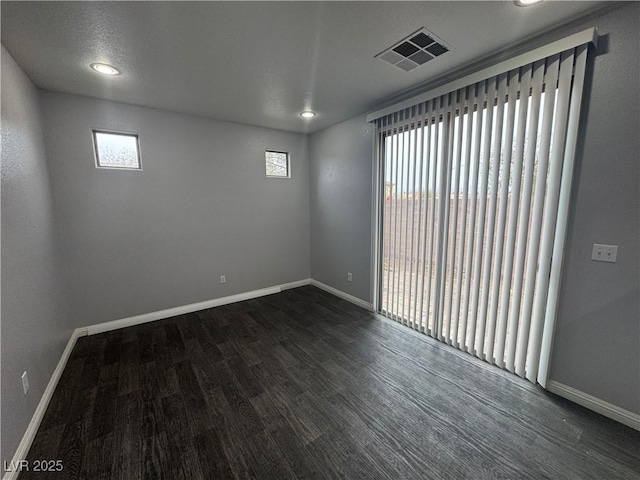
258,63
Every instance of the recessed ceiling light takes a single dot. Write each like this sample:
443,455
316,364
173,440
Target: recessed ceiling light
105,69
307,114
527,3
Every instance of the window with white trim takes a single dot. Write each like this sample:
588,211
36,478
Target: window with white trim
116,150
277,164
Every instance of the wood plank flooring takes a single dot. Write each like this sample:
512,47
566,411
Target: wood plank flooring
305,385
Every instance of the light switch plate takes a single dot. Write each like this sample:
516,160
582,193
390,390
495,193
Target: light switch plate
604,253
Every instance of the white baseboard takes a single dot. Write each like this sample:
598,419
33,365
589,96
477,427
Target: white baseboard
193,307
593,403
34,424
343,295
299,283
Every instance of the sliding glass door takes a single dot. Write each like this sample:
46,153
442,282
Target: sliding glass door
475,189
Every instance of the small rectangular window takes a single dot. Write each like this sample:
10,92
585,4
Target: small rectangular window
116,150
277,164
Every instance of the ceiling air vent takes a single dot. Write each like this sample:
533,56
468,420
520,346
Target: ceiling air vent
414,50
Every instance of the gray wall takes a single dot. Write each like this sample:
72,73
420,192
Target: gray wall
141,241
597,342
341,193
35,327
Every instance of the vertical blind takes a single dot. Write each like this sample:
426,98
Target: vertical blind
475,186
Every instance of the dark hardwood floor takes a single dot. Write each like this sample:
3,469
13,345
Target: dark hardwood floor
305,385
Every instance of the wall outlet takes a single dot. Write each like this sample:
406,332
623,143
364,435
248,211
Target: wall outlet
349,277
25,383
604,253
223,279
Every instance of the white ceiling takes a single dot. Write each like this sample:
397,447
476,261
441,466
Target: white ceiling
258,63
